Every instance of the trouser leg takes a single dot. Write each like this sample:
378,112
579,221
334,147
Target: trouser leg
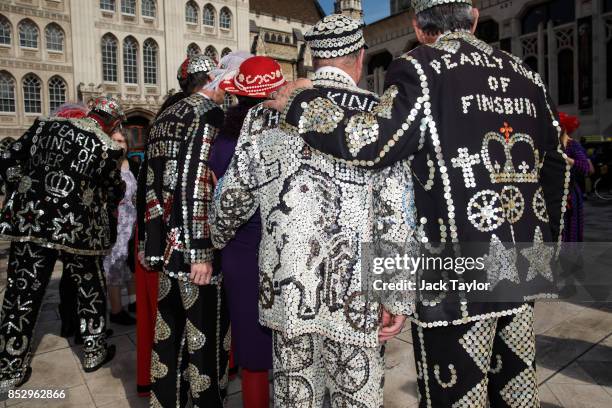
512,375
208,343
146,311
29,270
354,375
452,364
68,293
167,356
88,274
299,372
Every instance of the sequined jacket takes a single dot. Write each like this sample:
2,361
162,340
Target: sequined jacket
316,213
482,137
68,189
175,186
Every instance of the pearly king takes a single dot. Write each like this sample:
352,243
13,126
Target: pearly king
68,187
192,338
482,138
317,214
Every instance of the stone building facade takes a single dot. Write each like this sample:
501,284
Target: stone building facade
569,42
277,30
53,51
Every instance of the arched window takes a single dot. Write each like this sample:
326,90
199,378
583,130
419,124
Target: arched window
557,11
108,5
208,15
130,60
149,8
7,92
225,18
57,93
109,58
28,34
565,68
225,52
149,57
5,31
128,7
31,94
193,49
55,37
211,52
191,12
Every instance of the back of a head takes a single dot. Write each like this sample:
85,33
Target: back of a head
445,17
336,40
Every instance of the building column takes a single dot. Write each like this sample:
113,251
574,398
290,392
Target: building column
553,63
541,51
516,32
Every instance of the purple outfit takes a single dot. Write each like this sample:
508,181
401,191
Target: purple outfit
574,217
252,343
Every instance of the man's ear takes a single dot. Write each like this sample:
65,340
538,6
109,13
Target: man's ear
419,33
476,15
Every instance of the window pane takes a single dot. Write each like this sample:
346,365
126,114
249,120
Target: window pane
225,19
109,58
150,62
55,38
28,35
566,77
57,93
108,5
148,8
7,93
5,31
128,6
130,64
609,68
209,16
191,13
31,94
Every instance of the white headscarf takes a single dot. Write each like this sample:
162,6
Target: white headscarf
227,68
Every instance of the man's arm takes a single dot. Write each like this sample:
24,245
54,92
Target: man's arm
17,153
555,171
195,186
235,199
375,139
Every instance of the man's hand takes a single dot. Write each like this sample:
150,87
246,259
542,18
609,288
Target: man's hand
281,97
201,273
390,326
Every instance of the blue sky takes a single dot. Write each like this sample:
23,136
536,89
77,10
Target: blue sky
373,9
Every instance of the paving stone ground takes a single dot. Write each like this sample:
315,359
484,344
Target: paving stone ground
574,348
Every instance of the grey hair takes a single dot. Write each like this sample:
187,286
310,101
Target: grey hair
345,60
446,17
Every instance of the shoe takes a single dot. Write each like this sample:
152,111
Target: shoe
110,354
122,318
25,378
78,339
144,391
132,307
